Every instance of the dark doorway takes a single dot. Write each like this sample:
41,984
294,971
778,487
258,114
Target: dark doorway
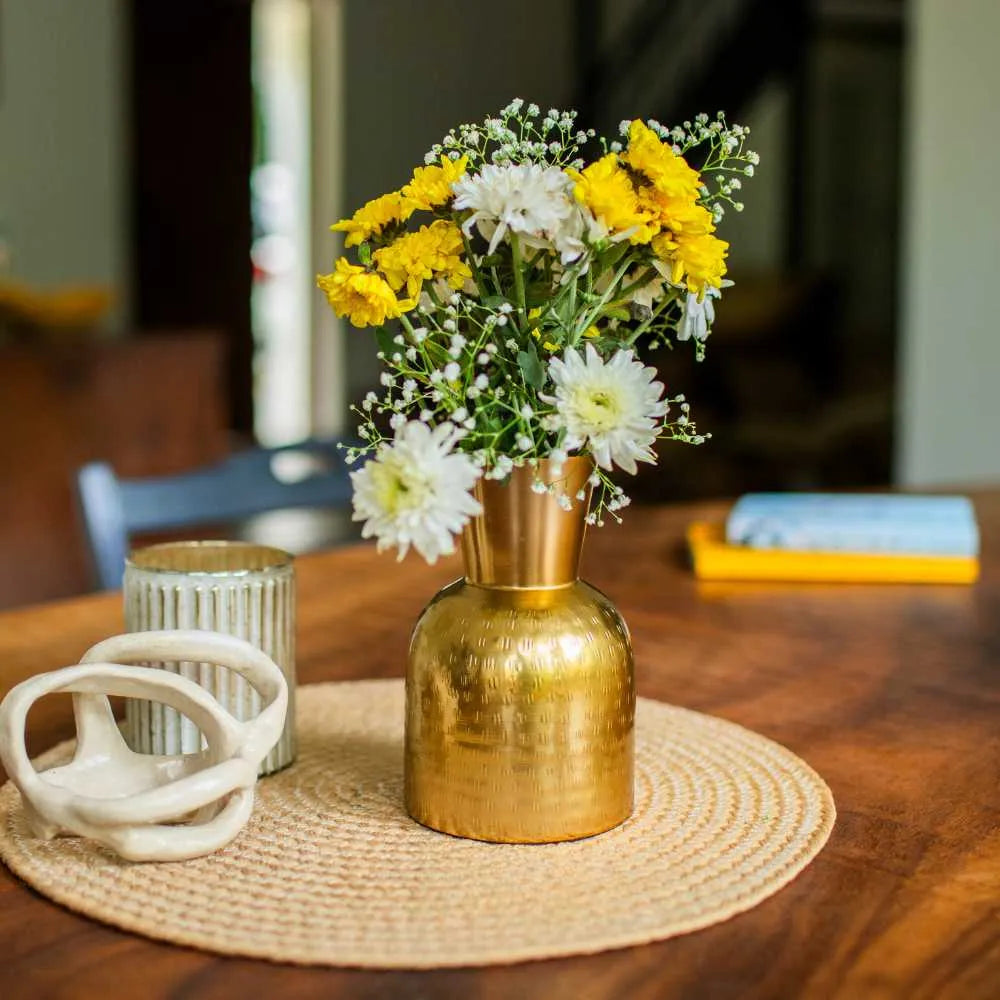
192,142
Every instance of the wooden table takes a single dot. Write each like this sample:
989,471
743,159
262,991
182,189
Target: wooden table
891,692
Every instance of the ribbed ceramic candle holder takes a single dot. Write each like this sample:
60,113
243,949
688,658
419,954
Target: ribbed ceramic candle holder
239,588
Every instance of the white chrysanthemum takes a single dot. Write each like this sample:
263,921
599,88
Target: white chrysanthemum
524,198
416,491
573,237
611,407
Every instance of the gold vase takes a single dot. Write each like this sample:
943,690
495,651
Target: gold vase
520,687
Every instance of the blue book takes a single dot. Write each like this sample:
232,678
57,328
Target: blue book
855,522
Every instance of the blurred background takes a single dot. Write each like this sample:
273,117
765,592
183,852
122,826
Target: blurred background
169,170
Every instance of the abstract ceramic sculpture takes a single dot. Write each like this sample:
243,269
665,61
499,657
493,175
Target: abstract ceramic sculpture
147,807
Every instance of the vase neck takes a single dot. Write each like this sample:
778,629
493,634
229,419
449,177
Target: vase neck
524,539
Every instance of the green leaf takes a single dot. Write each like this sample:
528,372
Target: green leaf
611,257
383,337
531,367
365,254
538,294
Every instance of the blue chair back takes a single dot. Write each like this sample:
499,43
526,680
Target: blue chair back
307,474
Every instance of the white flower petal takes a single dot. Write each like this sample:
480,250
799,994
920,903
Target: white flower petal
611,408
525,198
416,491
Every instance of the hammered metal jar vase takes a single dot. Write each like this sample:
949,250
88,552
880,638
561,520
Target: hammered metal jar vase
520,688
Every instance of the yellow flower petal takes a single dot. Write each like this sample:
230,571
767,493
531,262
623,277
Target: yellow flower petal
676,214
699,261
364,298
606,189
667,172
430,187
434,251
373,217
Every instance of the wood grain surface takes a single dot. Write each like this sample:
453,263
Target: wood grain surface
891,692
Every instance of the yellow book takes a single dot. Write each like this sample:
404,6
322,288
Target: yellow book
715,559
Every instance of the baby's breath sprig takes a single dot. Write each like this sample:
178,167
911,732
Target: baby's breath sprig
516,135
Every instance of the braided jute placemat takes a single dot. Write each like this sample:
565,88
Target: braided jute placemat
331,870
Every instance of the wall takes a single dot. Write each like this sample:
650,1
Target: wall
950,406
852,177
757,234
63,162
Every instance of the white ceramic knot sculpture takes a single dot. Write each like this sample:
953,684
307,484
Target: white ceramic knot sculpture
147,807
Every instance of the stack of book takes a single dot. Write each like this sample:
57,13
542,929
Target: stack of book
840,537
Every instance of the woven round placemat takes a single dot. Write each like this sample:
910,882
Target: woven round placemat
331,870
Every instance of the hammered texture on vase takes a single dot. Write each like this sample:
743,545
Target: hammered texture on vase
519,714
331,871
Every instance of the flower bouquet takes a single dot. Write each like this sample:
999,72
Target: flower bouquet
526,279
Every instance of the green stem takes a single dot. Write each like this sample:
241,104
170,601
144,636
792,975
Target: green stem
589,318
433,295
470,257
515,251
648,275
496,435
572,296
645,324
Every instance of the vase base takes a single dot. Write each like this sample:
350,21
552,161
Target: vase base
458,826
520,714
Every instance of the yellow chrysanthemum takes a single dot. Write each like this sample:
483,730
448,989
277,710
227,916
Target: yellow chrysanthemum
364,298
431,186
607,191
667,172
433,251
676,214
373,217
699,261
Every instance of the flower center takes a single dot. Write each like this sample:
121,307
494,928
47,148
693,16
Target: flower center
599,408
396,491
